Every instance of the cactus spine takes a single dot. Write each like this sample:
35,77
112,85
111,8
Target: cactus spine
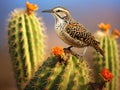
26,45
110,61
53,75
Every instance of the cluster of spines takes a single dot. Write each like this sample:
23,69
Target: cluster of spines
26,45
53,75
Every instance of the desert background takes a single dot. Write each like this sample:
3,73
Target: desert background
88,12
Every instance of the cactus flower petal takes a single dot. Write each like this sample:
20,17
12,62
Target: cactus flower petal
104,27
31,7
116,33
106,74
57,50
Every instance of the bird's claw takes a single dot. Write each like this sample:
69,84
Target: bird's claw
68,50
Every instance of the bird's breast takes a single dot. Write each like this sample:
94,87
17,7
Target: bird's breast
62,34
59,27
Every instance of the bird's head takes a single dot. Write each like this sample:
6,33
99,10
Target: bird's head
59,13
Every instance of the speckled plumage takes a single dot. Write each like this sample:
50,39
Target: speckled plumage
72,32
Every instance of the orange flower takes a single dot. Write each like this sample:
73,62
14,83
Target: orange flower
116,33
31,7
57,50
106,74
104,27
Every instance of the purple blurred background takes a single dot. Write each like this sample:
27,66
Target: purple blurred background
88,12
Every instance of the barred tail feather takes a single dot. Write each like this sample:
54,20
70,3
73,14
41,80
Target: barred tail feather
98,49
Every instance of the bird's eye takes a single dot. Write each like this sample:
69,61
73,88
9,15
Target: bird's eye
58,11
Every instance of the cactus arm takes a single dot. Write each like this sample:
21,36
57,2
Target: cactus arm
60,76
110,61
25,45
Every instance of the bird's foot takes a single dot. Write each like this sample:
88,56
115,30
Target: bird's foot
81,57
68,49
83,54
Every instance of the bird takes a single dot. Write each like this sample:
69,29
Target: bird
71,31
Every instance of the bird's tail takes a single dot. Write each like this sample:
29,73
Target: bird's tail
98,49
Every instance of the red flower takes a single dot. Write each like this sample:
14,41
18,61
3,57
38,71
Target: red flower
57,50
106,74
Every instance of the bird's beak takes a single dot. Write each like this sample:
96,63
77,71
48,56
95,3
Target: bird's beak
47,11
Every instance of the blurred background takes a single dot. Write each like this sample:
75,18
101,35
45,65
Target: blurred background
88,12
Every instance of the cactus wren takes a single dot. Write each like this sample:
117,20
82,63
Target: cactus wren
72,32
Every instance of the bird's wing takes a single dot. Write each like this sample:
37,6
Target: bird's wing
78,32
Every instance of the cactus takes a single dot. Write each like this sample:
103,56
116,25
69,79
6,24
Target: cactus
26,44
111,59
54,74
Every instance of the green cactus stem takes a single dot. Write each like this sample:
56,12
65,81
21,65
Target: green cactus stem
110,61
26,45
73,74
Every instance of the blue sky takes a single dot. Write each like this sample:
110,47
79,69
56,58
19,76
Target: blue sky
88,12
